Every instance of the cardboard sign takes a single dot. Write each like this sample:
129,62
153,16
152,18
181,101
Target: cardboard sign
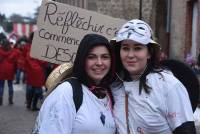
61,28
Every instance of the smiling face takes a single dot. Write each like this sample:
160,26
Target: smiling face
134,57
98,63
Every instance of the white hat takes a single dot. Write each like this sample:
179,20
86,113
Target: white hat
136,30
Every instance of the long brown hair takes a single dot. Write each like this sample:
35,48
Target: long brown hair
88,42
153,65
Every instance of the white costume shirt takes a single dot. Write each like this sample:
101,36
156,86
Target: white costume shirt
58,114
160,112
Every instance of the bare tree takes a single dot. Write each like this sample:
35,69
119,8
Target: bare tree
16,18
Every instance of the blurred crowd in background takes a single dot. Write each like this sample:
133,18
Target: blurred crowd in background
193,63
18,67
189,60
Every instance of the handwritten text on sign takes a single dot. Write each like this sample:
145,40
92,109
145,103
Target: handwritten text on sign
61,27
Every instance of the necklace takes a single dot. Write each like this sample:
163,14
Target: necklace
106,106
137,76
102,118
102,105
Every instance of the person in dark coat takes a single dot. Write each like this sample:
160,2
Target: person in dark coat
35,78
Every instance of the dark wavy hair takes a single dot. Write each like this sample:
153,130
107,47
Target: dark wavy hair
153,65
88,42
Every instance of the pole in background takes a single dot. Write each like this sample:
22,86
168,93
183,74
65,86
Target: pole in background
140,10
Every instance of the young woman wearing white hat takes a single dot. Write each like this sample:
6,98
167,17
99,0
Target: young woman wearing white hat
148,98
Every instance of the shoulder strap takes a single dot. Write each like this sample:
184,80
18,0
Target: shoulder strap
77,92
126,110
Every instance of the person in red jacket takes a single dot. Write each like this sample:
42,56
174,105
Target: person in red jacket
7,69
35,78
20,63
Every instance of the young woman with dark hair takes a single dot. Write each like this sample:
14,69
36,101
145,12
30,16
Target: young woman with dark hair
148,98
93,68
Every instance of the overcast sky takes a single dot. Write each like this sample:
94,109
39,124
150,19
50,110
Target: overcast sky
22,7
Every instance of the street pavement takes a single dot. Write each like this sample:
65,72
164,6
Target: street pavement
16,119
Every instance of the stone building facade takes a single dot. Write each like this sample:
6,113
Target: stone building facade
78,3
184,28
176,23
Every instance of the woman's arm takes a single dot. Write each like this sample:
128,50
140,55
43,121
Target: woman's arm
57,113
179,110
